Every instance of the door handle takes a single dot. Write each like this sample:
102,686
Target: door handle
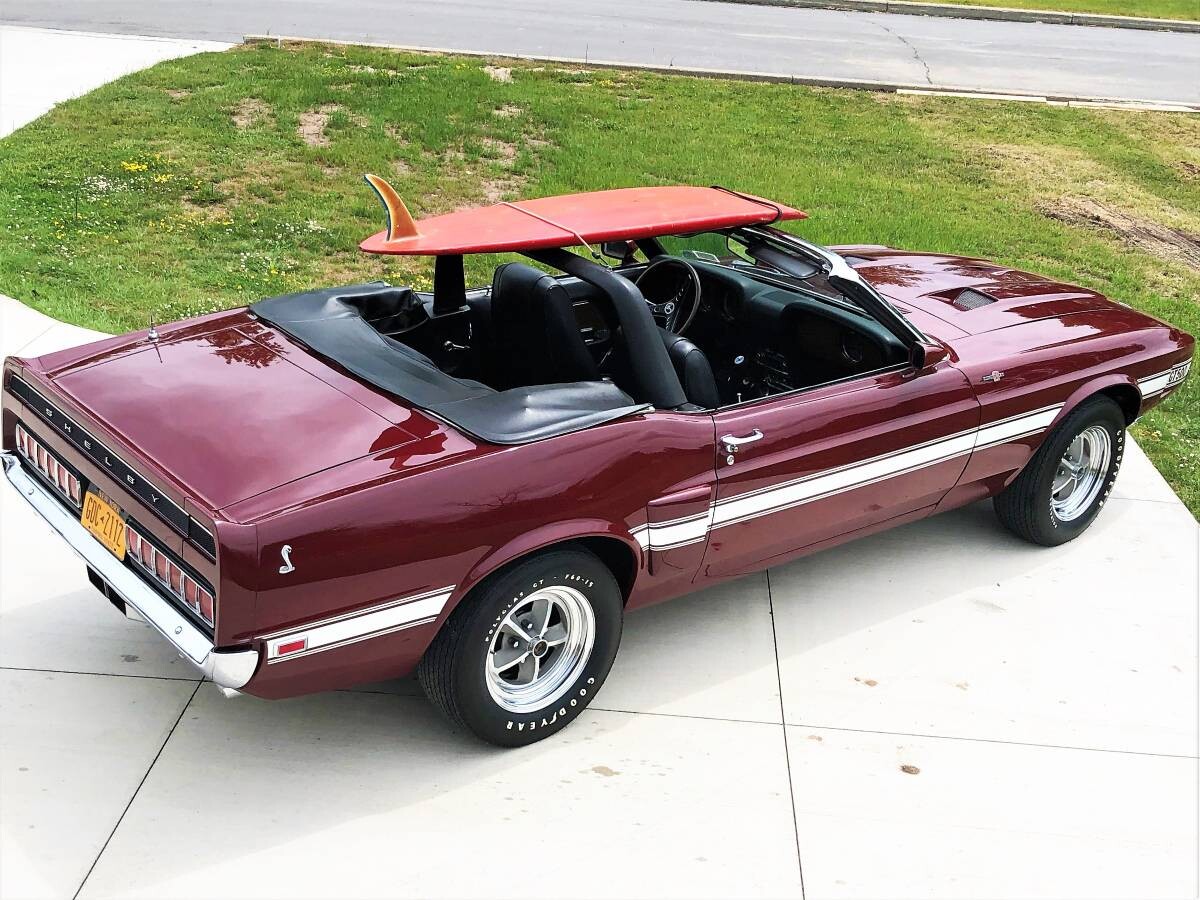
732,442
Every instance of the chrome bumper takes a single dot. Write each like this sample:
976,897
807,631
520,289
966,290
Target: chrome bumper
227,668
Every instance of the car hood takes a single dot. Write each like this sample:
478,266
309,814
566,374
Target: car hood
972,295
223,410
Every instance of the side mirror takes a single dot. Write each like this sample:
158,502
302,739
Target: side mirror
926,356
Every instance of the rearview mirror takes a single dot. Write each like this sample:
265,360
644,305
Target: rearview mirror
621,251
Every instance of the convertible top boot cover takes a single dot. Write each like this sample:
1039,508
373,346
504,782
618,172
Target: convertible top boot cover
336,324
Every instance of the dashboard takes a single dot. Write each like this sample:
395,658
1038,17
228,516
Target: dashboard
761,336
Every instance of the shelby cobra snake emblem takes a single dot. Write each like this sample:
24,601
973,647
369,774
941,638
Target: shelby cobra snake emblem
286,554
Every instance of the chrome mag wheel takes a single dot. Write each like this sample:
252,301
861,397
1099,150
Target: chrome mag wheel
540,649
1081,473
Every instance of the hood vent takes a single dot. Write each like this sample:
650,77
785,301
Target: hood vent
969,299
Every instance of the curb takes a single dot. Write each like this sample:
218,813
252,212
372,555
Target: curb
996,13
885,87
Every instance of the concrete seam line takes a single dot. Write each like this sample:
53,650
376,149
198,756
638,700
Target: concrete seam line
896,87
992,13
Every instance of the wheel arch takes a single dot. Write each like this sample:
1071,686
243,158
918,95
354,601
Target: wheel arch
620,554
1121,389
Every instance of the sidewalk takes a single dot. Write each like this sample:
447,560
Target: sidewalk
30,85
940,710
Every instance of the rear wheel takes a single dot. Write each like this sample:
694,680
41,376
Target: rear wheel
525,653
1063,487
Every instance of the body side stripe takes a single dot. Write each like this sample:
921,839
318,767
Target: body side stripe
359,625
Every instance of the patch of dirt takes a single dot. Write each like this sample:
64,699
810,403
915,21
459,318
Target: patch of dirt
1187,169
502,74
605,771
869,682
205,212
313,123
910,770
1171,244
250,112
508,111
401,167
497,189
178,93
500,150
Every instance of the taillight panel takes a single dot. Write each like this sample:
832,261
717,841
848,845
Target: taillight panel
62,477
169,574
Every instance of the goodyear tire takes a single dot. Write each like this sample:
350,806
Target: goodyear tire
526,650
1062,489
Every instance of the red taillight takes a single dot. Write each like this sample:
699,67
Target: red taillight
197,598
206,606
54,471
133,541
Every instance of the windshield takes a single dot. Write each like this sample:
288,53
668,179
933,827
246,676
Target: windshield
755,254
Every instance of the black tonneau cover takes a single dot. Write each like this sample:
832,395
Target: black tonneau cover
330,322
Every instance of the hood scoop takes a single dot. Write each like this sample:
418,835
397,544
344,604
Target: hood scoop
969,299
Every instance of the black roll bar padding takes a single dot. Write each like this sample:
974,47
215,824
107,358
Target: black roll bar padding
449,284
657,382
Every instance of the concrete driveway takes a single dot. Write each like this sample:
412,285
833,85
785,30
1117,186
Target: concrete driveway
940,710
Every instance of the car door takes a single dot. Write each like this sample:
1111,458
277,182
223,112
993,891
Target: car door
809,466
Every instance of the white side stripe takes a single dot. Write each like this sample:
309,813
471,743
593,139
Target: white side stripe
352,627
778,497
741,507
1156,384
676,533
1018,426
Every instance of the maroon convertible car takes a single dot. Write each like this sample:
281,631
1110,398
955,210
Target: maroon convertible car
351,483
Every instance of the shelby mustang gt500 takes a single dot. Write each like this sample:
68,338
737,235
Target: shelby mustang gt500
353,483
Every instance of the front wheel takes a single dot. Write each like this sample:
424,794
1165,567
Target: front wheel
527,650
1062,488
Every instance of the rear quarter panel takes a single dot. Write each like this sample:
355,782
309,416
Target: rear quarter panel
389,526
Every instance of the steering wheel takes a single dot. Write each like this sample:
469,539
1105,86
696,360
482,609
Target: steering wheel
682,292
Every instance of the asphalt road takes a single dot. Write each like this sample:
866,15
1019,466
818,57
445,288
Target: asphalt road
957,53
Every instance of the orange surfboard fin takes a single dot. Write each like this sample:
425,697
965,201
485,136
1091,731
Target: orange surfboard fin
400,222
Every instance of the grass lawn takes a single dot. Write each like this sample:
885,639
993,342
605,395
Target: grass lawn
1153,9
212,181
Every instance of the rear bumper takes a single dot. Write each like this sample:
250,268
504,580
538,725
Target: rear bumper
227,668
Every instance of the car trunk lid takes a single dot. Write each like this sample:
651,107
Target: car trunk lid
223,409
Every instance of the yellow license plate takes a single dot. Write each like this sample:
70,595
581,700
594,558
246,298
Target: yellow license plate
103,519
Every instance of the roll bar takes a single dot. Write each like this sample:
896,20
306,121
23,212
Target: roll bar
656,380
